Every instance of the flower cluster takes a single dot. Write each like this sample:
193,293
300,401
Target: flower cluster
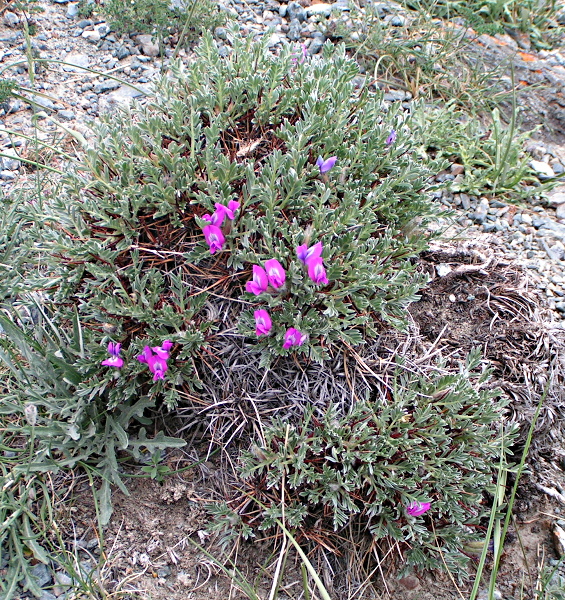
154,357
214,233
272,278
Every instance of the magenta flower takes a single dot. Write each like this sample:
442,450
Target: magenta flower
391,138
162,351
326,165
316,271
415,509
221,212
214,237
275,273
293,337
157,363
263,323
305,254
259,283
114,360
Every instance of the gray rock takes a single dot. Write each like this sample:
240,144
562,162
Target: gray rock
148,46
66,115
163,571
8,175
11,19
558,168
294,30
12,38
77,60
62,583
61,1
103,29
42,103
555,198
41,574
315,46
395,96
106,86
398,21
84,24
341,5
465,201
221,33
9,163
282,10
274,40
537,223
45,595
295,11
122,52
481,212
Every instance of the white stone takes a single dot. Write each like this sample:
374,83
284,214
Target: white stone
91,36
322,9
560,211
555,198
443,269
527,219
542,168
77,60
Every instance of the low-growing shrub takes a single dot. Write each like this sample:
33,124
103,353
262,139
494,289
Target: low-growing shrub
163,232
163,17
411,469
258,202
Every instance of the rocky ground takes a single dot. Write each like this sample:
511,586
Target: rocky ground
531,234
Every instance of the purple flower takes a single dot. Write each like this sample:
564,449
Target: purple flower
114,360
275,273
326,165
303,51
259,283
263,323
305,254
293,337
156,362
214,237
316,271
162,351
221,212
391,138
415,509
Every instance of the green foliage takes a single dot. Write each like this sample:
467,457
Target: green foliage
163,18
534,17
47,368
428,58
430,441
86,8
7,89
492,154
